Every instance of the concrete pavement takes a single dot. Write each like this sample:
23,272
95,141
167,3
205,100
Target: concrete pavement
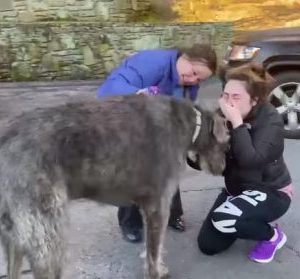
96,249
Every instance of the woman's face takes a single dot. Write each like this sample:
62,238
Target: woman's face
235,94
191,72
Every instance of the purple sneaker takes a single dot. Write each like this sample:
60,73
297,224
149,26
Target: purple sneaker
264,251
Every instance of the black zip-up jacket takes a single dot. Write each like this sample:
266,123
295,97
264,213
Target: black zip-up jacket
255,159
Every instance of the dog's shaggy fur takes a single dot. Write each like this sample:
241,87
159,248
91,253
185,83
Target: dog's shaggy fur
126,149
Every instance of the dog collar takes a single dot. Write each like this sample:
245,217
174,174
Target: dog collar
198,124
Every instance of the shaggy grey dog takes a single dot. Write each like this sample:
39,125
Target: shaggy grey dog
120,150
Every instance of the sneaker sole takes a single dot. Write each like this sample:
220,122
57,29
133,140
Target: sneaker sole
279,246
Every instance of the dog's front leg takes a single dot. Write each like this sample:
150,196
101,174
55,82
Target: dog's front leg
156,215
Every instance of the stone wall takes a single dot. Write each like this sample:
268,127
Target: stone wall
86,39
71,10
56,51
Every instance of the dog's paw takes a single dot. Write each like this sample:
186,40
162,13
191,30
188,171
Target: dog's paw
166,276
163,271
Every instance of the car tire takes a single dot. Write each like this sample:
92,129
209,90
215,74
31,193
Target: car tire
289,83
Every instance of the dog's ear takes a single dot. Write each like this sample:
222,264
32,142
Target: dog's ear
220,130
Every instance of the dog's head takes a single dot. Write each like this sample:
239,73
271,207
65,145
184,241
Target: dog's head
212,142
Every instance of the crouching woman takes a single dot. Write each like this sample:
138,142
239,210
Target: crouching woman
258,184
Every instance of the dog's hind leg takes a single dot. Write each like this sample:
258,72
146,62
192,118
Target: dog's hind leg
14,259
45,248
47,259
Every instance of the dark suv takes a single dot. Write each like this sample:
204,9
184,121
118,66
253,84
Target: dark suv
279,51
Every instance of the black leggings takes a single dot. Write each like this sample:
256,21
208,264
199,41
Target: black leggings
130,216
246,216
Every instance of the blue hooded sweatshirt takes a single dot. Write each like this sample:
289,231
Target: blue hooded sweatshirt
146,68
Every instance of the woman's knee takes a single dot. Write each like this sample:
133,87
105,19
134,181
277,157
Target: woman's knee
212,240
206,241
205,248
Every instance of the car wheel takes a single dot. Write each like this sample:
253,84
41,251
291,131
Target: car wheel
285,96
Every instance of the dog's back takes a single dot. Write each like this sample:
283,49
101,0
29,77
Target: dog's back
94,147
